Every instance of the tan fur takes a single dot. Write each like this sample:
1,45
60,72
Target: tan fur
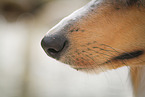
102,33
138,80
116,31
135,75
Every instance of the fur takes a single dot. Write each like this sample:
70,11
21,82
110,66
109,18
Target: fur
104,35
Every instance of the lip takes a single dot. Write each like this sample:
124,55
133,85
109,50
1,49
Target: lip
82,67
129,55
90,67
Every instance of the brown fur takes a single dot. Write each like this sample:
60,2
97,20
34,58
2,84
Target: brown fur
103,30
105,34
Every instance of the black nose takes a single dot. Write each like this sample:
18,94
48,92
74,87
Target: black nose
54,45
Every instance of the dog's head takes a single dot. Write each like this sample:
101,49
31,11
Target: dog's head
104,34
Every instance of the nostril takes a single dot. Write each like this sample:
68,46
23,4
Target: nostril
52,50
54,46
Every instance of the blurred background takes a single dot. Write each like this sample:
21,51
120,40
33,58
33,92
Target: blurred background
26,71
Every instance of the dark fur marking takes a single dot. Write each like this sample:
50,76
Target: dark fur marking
82,58
71,30
117,8
95,47
94,41
77,29
77,52
77,59
73,56
131,2
83,30
82,61
89,49
130,55
104,49
88,43
97,52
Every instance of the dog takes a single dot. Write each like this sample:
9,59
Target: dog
102,35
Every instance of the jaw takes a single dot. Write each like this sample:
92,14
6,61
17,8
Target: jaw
104,36
108,39
102,62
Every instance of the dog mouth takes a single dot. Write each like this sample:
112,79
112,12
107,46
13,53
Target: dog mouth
121,57
130,55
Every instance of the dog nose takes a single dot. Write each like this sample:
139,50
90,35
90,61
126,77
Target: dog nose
54,45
